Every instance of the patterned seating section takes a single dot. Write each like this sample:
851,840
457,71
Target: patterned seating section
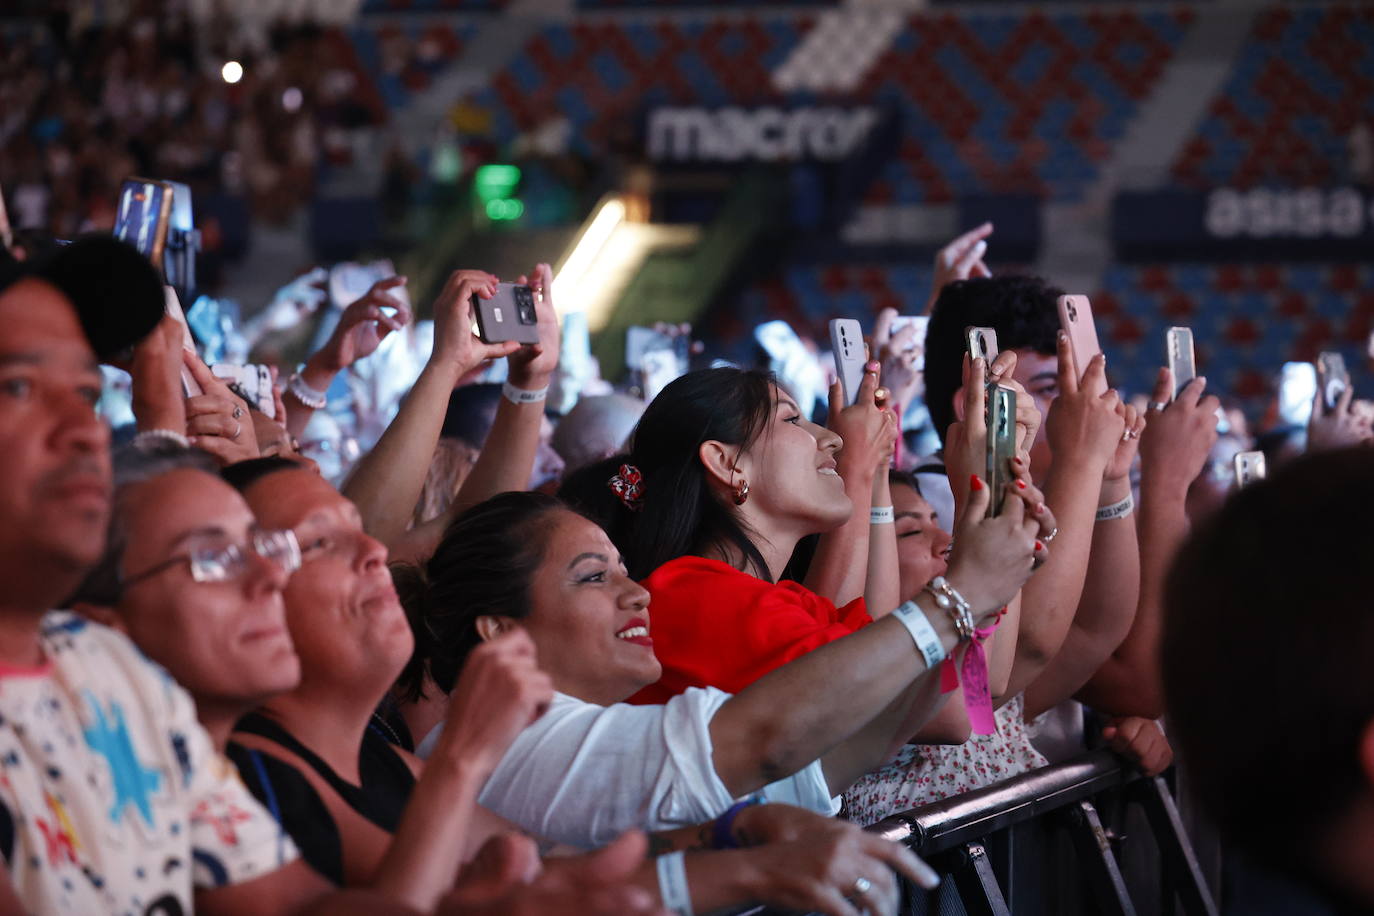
1303,80
404,57
428,6
1018,102
601,74
1247,320
685,4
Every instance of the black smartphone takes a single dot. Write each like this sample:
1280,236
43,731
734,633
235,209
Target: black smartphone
508,315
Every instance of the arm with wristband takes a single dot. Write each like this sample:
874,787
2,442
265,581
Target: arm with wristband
854,730
388,479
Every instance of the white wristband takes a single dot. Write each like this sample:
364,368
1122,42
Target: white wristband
310,397
149,436
880,515
521,396
672,884
1116,510
910,615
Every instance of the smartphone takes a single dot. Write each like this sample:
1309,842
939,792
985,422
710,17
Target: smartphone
1335,378
796,368
144,215
350,281
1076,318
1178,347
981,342
847,343
508,315
253,380
1297,389
1001,443
640,341
172,306
1249,468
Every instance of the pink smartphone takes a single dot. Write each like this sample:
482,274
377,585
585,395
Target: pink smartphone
1076,318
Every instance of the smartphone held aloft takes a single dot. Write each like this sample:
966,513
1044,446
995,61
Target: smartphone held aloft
508,315
847,343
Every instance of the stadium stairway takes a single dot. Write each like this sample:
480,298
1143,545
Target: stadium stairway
1077,250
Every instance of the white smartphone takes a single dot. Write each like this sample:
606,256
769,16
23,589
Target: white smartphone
1249,468
847,343
1076,318
189,386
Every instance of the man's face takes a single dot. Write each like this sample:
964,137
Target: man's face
226,642
54,449
345,618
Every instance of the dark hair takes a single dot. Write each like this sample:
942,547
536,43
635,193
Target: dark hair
587,491
471,412
896,478
680,514
1265,664
243,474
1021,310
133,463
483,566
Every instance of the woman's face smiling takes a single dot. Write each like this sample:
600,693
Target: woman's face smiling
588,618
793,480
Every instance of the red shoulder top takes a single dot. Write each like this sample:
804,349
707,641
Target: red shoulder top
714,626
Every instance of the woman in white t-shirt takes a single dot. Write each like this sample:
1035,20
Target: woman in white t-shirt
593,766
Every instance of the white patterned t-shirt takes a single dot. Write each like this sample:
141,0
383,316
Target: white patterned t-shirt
112,797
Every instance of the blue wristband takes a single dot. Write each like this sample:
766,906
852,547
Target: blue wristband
721,836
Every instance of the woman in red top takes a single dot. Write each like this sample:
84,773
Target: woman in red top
724,479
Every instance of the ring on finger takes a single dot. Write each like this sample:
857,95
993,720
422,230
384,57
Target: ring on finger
861,886
1156,405
238,411
238,428
880,394
1049,538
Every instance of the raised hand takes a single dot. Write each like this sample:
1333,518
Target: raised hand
1084,425
217,420
532,367
898,357
959,260
158,401
993,557
455,346
867,428
1177,440
1339,426
364,325
1120,465
500,692
1028,418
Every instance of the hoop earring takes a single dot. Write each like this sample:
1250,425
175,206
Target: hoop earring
742,493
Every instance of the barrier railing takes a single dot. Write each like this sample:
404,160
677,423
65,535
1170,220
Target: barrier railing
953,836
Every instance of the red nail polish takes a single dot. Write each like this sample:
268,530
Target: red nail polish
1039,508
1038,545
1020,484
975,483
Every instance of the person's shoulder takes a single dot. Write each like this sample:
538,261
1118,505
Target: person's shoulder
72,641
699,573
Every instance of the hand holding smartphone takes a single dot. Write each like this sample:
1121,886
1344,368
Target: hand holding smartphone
1334,377
1178,345
847,344
508,315
1249,468
981,343
1076,318
1001,443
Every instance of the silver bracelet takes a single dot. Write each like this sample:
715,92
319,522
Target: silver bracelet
672,883
521,396
880,515
1117,510
149,436
952,603
310,397
912,616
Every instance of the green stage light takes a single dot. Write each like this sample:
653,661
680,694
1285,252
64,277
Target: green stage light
496,181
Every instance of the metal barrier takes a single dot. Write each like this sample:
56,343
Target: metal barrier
953,836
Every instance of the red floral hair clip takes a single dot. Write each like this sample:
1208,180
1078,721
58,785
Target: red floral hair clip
629,486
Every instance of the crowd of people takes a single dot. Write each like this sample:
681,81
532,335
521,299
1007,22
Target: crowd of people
624,657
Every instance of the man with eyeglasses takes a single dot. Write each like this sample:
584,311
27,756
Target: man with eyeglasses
112,797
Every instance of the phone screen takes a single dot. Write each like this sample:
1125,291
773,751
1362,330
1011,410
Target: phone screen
139,220
1001,442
